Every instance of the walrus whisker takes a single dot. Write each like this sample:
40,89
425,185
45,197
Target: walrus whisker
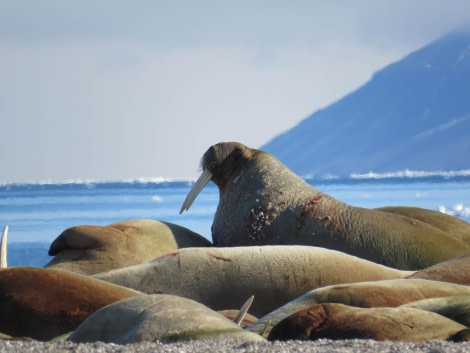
201,182
244,309
3,248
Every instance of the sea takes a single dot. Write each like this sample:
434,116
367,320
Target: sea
36,213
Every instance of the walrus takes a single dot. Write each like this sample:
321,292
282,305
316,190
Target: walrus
166,318
262,202
452,225
456,270
455,307
46,303
385,293
90,249
339,321
222,278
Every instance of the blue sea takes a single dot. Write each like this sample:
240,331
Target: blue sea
37,213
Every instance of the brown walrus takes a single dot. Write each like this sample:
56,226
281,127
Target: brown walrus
339,321
263,202
456,270
387,293
45,303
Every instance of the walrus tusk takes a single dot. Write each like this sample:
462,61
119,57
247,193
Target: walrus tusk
3,248
265,328
201,182
244,309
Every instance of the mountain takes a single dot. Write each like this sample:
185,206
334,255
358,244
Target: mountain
413,114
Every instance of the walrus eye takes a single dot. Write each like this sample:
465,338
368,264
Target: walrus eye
211,166
237,153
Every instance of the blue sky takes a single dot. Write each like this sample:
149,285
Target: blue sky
112,90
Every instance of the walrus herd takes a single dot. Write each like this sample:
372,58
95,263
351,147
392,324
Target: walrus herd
310,266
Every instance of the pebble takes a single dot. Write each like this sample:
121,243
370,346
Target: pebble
318,346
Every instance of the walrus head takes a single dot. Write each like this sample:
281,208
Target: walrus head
218,164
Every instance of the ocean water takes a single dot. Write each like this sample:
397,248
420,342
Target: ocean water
37,213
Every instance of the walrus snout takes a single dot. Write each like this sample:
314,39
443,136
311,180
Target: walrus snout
218,164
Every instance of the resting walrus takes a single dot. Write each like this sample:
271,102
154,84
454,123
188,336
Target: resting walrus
263,202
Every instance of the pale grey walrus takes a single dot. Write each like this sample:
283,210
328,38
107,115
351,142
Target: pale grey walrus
455,307
90,249
166,318
222,278
263,202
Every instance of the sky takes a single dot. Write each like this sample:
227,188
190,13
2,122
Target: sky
113,90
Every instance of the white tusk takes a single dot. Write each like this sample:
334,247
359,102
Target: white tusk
201,182
3,248
241,314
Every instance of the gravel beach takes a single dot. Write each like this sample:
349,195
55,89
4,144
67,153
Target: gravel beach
320,346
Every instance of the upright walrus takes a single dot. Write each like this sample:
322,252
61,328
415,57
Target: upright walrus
263,202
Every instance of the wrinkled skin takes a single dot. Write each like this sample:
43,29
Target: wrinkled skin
449,224
263,202
339,321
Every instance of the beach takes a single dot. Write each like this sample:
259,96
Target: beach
319,346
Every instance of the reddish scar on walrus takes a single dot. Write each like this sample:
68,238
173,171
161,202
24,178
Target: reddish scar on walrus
262,202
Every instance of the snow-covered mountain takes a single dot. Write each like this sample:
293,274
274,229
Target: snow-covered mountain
413,114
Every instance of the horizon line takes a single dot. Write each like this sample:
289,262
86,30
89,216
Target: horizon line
407,173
